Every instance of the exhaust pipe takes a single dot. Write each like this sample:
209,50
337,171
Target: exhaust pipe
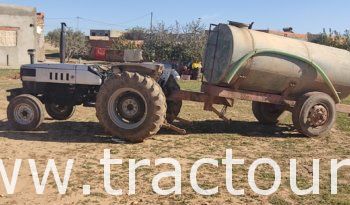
63,43
31,53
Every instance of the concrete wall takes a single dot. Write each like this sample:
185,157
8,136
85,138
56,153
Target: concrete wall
40,23
116,33
23,19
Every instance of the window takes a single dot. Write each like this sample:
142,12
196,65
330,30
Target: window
8,36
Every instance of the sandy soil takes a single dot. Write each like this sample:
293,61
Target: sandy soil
82,139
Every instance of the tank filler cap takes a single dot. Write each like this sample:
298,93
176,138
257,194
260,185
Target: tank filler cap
241,25
238,24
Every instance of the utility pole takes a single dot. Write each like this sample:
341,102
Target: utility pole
78,18
151,29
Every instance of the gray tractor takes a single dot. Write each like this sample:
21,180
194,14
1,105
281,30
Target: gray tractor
130,97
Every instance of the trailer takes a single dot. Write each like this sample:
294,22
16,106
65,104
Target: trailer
134,100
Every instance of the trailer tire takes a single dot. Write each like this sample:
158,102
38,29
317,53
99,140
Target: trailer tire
25,113
173,107
131,106
266,113
59,112
314,114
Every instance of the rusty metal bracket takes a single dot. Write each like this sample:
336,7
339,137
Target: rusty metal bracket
290,87
286,93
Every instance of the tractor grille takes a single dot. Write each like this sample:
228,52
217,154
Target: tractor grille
59,76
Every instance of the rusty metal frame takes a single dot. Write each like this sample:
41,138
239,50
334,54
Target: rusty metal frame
222,96
199,97
212,94
245,95
343,108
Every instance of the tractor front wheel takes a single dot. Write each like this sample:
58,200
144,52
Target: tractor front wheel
25,113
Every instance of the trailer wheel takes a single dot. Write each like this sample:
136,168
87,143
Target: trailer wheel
314,114
25,112
59,112
173,107
131,106
267,113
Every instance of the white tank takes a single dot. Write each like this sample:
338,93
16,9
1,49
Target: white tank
278,67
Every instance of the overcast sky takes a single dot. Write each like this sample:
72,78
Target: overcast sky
302,15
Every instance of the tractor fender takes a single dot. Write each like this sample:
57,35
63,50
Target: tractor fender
166,75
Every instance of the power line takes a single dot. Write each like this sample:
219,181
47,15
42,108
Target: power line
113,24
103,22
78,20
58,18
137,18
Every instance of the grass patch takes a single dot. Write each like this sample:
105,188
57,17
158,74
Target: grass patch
343,119
191,85
343,122
9,74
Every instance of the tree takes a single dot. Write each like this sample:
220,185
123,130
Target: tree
334,39
136,33
175,42
121,44
76,42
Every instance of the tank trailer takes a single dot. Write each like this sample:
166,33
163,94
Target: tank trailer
134,100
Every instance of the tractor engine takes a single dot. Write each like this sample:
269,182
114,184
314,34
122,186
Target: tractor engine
63,84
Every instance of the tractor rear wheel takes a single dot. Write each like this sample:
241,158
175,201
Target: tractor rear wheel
314,114
267,113
25,112
131,106
59,112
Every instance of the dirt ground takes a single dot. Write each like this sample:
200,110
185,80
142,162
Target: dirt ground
82,139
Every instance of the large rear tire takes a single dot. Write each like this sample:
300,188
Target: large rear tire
25,113
314,114
59,112
266,113
131,106
173,107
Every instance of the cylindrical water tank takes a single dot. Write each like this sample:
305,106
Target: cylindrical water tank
274,72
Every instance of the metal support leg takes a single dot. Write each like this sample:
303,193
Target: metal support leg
221,114
174,128
187,122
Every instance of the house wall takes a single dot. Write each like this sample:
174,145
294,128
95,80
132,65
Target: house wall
19,23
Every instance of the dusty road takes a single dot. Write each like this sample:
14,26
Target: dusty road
82,139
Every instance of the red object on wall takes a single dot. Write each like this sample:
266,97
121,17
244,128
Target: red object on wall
99,53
